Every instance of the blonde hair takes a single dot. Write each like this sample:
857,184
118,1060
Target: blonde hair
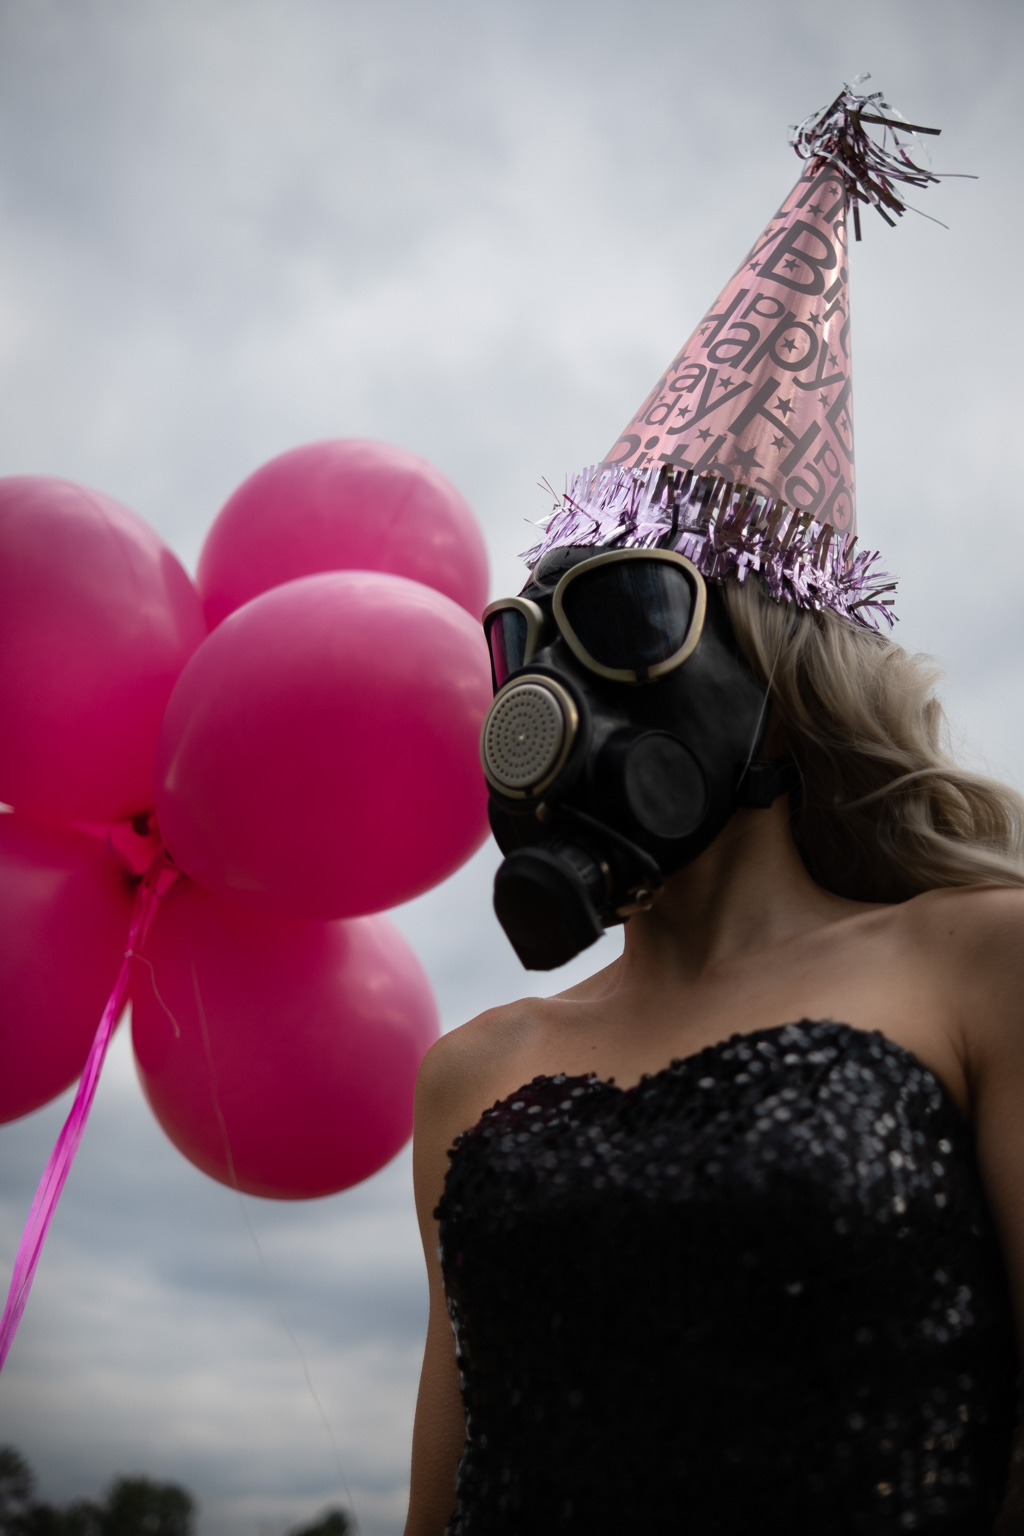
884,812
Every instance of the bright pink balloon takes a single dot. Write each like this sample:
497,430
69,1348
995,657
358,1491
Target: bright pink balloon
279,1057
319,753
65,907
97,618
346,505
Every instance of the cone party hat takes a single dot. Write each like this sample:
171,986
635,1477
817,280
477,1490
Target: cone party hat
741,457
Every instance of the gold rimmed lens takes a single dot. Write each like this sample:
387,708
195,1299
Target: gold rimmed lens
513,628
631,615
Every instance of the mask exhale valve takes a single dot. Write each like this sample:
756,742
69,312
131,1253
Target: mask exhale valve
548,900
557,896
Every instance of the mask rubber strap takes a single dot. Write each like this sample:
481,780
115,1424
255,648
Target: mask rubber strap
762,783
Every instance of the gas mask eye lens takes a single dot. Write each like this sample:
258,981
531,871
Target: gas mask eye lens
631,614
506,636
512,627
632,618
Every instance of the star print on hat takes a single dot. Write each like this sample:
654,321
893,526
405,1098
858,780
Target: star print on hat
761,393
741,457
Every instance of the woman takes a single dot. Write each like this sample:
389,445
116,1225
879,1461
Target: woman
890,902
729,1232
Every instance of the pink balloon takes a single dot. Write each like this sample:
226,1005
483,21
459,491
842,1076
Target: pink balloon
319,753
65,907
279,1056
97,618
345,505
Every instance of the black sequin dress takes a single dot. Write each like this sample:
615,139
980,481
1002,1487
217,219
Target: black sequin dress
758,1292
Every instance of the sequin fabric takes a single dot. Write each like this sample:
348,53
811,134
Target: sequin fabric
758,1292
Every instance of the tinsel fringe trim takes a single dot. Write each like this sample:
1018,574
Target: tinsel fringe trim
726,530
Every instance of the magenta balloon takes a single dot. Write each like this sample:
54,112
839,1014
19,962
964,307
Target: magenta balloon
319,753
97,618
345,505
65,907
296,1078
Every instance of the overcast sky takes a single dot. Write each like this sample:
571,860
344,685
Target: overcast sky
479,230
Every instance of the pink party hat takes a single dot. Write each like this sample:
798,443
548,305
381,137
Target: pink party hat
741,457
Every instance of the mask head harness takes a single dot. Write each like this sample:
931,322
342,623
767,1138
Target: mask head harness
624,732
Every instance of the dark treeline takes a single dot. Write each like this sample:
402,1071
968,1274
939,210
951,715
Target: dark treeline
131,1506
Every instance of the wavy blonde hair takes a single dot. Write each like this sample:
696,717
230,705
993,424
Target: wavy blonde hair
885,813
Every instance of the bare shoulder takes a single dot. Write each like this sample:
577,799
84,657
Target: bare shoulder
973,938
977,939
970,923
467,1056
491,1049
456,1083
470,1068
457,1076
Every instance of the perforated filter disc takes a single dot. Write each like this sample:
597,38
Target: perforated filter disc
524,736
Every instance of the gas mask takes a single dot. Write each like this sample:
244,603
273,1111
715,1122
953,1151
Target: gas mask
625,730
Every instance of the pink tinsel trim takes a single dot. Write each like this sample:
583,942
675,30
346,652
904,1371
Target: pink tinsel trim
727,531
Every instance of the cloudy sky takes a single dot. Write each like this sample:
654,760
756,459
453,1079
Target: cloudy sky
478,229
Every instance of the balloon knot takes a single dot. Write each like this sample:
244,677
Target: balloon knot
138,846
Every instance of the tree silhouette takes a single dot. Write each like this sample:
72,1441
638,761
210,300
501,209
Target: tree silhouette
136,1506
35,1519
333,1522
133,1506
17,1484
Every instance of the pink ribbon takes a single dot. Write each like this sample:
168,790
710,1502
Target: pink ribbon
158,879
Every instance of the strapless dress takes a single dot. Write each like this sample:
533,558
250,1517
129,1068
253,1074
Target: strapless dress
758,1292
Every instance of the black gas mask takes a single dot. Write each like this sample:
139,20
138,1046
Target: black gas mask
625,730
